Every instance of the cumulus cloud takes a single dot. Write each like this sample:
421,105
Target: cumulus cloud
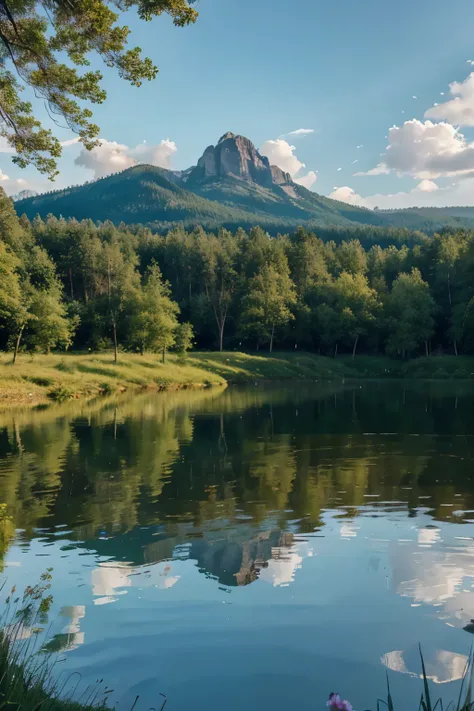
111,157
420,196
282,154
426,194
347,194
426,186
460,109
108,157
307,180
426,150
159,154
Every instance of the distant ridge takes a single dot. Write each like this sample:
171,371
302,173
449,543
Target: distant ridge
232,185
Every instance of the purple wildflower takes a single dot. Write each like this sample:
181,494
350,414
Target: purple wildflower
335,703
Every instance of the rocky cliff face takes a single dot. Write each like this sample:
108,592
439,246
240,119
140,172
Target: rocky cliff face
238,157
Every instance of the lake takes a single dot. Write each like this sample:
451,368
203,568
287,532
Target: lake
253,547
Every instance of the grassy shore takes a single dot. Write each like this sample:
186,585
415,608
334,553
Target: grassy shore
37,379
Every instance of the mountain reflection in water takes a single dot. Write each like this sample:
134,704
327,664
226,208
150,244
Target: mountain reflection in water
205,543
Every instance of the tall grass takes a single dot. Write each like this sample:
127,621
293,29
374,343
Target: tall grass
28,679
464,701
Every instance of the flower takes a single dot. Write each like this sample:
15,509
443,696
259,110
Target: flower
335,703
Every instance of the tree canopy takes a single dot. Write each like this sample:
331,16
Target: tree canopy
65,283
47,47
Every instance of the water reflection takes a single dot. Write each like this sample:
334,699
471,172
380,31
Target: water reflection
440,577
355,501
441,666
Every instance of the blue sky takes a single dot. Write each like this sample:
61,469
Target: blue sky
264,68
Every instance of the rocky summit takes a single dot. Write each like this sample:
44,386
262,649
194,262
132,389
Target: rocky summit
236,156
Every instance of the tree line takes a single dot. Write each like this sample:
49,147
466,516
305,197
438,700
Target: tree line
71,284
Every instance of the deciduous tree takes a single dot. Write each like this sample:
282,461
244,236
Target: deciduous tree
410,311
267,306
45,44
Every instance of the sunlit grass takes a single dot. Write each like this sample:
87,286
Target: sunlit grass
36,379
242,367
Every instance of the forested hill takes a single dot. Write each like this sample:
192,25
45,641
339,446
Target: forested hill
69,283
232,186
151,196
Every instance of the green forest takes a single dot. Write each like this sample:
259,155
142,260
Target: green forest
76,285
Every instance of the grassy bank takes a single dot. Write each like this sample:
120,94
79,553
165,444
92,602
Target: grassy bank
42,378
37,379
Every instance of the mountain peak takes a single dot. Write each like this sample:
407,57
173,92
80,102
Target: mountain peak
236,156
226,136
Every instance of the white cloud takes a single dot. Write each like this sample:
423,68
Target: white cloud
307,180
346,194
300,132
460,109
111,157
108,157
425,194
70,142
380,169
426,150
426,186
159,154
282,154
420,196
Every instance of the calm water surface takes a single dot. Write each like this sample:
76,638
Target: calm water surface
251,548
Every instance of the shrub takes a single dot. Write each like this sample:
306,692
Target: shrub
60,393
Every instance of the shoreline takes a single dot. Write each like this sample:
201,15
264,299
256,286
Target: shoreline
37,380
